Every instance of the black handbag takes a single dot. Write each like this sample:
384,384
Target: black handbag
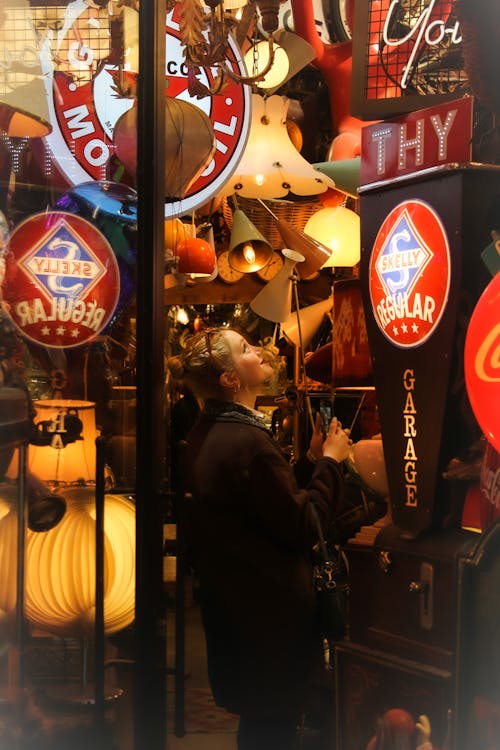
331,583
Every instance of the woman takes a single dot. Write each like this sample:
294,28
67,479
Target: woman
250,535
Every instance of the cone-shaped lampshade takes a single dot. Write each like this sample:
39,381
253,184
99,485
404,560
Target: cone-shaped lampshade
346,173
311,318
24,111
339,229
271,166
315,253
249,251
274,302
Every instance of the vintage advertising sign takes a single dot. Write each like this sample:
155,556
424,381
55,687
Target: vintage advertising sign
62,280
88,93
405,55
409,274
423,139
482,362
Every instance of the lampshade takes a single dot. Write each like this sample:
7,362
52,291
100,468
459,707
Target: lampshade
248,250
315,254
271,166
60,570
59,460
311,318
24,111
291,54
60,565
196,257
339,229
346,173
274,301
257,60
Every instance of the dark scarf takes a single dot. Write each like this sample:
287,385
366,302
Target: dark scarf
226,411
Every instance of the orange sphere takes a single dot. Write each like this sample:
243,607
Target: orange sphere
196,257
174,233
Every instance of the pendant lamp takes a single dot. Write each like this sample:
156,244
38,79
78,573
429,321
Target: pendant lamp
249,251
309,318
315,254
271,166
337,228
24,110
346,173
274,301
291,55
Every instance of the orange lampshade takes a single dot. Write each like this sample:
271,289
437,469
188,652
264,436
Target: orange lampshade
57,462
196,257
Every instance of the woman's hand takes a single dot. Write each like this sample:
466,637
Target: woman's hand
336,444
315,451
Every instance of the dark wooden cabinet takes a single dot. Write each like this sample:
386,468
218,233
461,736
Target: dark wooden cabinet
402,647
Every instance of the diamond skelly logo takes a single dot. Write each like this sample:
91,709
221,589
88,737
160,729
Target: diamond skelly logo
409,274
62,280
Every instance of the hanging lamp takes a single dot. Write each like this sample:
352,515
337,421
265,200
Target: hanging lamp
271,166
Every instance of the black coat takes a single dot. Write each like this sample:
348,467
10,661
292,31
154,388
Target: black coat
250,538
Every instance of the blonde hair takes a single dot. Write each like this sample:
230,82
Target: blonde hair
206,356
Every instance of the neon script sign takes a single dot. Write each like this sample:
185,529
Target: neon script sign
424,30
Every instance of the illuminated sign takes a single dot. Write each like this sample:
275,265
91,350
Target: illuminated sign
482,361
405,55
427,138
62,280
409,274
87,96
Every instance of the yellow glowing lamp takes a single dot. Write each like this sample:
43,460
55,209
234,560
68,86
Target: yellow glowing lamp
60,565
337,228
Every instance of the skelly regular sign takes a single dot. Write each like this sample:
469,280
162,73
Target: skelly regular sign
62,281
420,278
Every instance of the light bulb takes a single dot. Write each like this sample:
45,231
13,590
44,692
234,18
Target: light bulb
249,253
259,179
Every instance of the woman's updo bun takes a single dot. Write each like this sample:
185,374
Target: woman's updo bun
176,367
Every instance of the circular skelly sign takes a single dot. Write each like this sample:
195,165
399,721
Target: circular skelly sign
84,116
62,280
409,274
482,362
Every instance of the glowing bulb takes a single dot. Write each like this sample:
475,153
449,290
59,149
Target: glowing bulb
182,317
259,179
249,253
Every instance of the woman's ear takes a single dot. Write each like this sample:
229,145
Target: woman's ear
229,380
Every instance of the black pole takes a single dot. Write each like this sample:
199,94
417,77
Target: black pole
149,631
99,648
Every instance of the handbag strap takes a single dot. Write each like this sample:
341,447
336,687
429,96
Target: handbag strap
322,543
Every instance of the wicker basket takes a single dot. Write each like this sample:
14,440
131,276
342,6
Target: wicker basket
296,213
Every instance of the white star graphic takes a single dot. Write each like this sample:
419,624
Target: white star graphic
61,330
395,330
75,333
404,327
414,328
45,331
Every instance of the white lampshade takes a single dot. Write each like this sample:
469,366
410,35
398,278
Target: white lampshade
271,166
311,318
274,302
65,463
24,109
257,60
338,228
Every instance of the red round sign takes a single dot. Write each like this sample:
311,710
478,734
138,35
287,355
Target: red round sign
409,274
482,362
62,280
